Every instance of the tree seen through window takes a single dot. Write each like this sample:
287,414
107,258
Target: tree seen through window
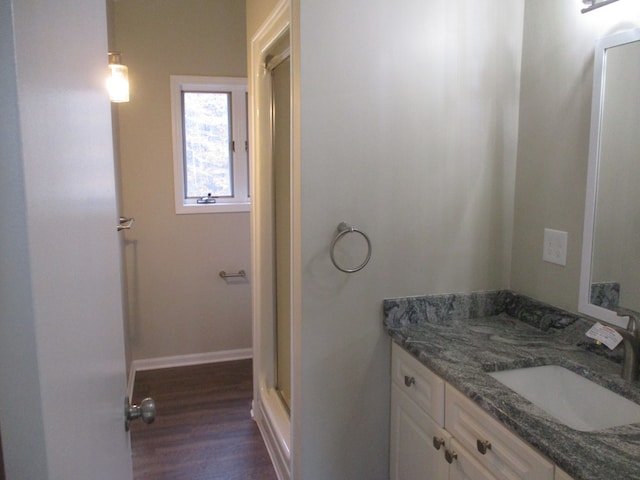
207,144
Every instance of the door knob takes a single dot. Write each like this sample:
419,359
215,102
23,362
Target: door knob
146,411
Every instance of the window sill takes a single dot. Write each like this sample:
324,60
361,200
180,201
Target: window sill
213,208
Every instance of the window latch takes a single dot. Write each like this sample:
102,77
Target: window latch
207,199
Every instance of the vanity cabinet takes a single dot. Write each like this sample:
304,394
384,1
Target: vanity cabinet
421,448
437,433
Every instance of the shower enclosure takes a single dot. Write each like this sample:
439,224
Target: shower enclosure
272,234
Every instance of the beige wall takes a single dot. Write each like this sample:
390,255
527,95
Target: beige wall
177,304
553,149
408,128
257,12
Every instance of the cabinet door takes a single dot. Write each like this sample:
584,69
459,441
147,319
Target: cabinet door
413,455
505,455
464,466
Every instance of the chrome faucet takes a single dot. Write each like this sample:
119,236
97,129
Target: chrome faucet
631,341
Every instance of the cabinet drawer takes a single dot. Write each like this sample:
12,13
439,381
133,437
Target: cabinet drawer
422,386
465,467
506,456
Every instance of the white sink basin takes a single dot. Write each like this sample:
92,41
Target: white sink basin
569,398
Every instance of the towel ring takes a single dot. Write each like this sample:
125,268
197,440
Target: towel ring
343,229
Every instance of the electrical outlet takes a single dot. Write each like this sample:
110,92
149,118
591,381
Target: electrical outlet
555,246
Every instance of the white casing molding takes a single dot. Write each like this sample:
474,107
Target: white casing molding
269,412
597,105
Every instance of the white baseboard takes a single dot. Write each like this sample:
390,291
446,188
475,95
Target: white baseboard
183,361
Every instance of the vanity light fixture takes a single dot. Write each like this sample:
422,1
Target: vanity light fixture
118,81
593,4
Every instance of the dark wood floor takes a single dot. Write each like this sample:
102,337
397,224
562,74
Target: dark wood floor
203,428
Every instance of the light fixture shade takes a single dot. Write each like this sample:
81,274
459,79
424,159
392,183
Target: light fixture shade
118,80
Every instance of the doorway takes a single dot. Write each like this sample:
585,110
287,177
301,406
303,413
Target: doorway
179,309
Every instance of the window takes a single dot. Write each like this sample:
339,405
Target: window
210,148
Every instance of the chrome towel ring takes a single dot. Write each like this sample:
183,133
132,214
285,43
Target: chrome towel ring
343,229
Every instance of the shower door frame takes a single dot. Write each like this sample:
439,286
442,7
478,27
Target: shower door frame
274,420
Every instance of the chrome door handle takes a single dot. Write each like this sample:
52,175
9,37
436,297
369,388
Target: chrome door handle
145,411
125,223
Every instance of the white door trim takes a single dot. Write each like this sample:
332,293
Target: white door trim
269,412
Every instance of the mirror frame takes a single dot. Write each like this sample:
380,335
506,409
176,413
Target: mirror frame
599,69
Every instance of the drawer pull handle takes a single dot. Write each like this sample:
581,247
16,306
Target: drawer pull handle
408,381
450,455
483,446
438,442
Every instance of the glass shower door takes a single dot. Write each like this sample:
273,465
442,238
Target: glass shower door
281,108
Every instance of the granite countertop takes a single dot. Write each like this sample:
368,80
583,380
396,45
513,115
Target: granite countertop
463,337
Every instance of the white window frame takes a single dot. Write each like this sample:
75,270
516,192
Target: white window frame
237,87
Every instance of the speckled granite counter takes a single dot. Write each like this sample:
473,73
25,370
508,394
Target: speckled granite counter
462,337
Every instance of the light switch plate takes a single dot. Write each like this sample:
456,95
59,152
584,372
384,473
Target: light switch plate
555,246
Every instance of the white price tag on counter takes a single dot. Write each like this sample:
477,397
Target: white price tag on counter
604,334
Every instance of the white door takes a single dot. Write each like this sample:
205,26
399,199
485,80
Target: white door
62,369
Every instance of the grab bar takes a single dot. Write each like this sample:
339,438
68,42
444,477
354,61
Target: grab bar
240,273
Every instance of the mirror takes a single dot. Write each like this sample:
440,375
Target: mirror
610,277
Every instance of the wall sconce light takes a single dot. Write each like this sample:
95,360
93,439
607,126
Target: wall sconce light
593,4
118,81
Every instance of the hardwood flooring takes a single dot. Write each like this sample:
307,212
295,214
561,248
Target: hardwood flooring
203,428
